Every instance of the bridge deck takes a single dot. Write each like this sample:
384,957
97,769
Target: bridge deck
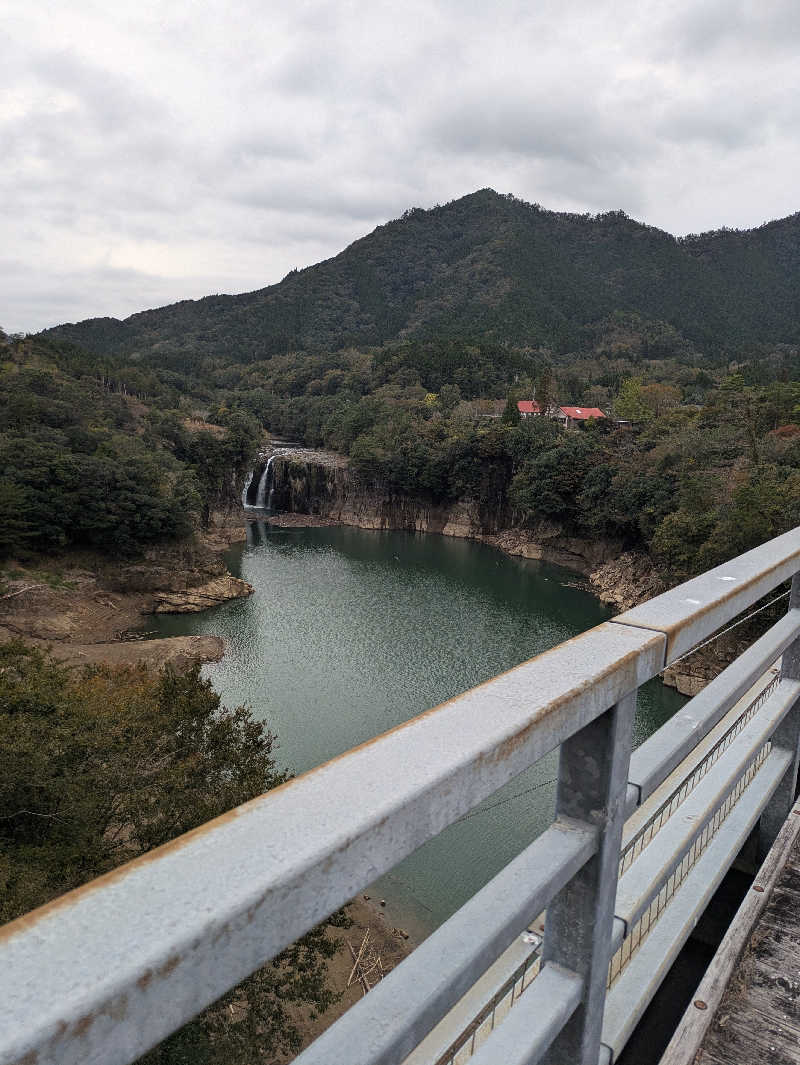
754,980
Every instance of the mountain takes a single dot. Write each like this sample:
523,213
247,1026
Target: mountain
492,268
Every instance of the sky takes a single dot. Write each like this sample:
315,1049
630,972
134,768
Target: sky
154,151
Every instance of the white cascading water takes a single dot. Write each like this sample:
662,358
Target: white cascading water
263,499
261,495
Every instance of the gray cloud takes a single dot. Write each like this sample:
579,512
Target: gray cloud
739,25
161,152
542,127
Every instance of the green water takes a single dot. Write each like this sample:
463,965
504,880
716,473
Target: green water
351,632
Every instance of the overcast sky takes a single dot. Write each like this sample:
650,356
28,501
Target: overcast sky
153,151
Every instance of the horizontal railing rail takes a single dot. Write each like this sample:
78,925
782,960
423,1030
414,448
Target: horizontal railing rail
105,972
501,1001
645,877
654,760
645,833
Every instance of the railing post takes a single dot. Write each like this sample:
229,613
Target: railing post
787,736
592,784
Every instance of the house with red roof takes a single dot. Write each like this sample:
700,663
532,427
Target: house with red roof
567,417
572,417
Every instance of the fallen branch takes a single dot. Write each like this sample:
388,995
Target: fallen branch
20,591
358,957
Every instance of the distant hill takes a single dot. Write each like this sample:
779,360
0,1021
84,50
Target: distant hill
493,268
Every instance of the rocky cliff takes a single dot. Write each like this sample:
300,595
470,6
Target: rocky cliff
625,580
323,486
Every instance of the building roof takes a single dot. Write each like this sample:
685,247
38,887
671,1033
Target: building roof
528,406
579,414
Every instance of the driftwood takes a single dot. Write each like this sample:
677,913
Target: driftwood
366,964
21,591
361,949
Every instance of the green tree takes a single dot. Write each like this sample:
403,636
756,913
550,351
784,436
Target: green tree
630,404
17,530
449,397
103,765
549,485
545,388
511,415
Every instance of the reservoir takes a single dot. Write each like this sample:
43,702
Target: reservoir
352,632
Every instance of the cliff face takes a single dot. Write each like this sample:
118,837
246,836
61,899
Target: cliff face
325,487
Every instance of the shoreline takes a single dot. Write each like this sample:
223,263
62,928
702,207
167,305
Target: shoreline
91,611
603,579
86,609
512,541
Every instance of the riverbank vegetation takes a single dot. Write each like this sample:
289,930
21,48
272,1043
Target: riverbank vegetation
102,765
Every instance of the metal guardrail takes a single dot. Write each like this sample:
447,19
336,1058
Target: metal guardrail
105,972
494,1011
647,832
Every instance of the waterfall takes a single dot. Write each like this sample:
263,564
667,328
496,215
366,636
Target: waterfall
265,490
247,484
261,495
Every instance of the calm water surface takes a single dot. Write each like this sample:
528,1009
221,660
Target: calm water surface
351,632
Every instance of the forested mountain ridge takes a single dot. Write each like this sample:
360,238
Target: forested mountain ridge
488,268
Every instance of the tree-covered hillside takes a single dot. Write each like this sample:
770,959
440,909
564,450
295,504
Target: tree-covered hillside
95,454
488,268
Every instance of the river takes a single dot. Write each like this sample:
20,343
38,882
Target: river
351,632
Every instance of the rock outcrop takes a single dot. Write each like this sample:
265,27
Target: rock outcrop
212,593
548,542
626,580
179,653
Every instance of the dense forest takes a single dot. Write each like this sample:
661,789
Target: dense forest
107,453
83,463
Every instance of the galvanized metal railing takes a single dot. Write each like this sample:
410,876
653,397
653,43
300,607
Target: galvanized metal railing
655,812
105,972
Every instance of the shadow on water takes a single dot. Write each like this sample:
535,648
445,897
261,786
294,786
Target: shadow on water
350,633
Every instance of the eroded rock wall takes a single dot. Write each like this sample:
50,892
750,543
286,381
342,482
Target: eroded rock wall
326,487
